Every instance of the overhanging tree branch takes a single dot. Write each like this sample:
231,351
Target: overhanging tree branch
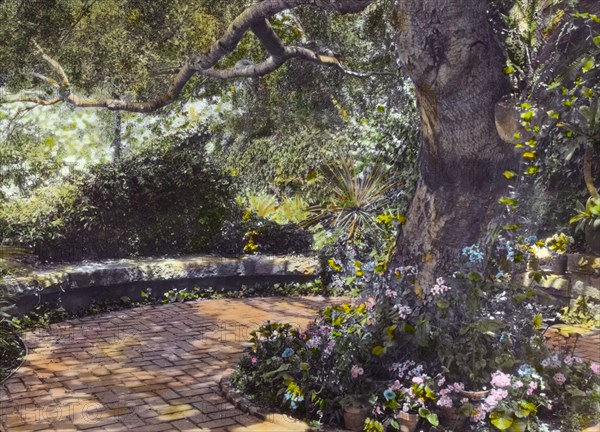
254,18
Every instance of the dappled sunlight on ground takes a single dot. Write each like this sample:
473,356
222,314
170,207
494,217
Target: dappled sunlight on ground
153,368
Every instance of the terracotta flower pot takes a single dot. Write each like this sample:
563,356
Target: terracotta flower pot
354,417
474,395
408,421
451,419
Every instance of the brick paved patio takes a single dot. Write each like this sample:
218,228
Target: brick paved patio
153,368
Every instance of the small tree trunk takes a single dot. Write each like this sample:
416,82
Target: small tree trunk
448,50
117,143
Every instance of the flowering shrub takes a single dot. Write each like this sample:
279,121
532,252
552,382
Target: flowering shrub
412,349
513,401
573,386
314,372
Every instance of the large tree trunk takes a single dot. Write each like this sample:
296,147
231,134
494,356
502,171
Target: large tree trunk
448,50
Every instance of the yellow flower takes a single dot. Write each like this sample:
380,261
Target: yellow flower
384,219
334,265
247,215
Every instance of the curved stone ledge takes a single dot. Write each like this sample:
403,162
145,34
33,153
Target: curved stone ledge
113,279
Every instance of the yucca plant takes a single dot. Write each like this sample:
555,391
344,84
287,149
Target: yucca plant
355,199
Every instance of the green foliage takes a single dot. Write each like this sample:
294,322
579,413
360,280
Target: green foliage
133,42
285,211
588,215
355,198
253,234
11,348
558,105
164,199
580,314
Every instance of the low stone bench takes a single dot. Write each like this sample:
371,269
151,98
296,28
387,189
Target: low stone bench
78,285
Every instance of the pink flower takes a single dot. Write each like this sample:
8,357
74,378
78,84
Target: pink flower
253,360
378,409
568,360
500,379
478,414
458,387
532,387
370,304
356,371
441,381
445,401
417,380
518,384
559,378
439,287
595,368
404,311
549,406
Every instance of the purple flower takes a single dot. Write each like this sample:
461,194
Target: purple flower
390,293
445,401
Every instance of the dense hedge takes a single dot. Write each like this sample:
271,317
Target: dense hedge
268,236
166,199
163,200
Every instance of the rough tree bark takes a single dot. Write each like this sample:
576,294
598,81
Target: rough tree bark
449,52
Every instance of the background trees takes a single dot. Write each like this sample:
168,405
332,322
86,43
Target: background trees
146,57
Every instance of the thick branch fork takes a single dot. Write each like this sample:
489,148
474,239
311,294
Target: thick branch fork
254,19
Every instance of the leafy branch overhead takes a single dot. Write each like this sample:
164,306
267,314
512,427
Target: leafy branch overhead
254,19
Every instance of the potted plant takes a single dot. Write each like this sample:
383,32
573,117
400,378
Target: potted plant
514,401
558,244
403,403
355,409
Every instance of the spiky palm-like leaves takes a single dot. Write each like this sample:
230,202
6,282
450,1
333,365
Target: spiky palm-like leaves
355,198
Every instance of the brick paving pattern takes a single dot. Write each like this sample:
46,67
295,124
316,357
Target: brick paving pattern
155,368
152,368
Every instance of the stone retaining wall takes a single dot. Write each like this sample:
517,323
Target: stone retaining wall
582,278
79,284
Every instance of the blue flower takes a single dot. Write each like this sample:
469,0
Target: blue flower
531,239
473,253
287,353
525,370
293,405
287,395
389,394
